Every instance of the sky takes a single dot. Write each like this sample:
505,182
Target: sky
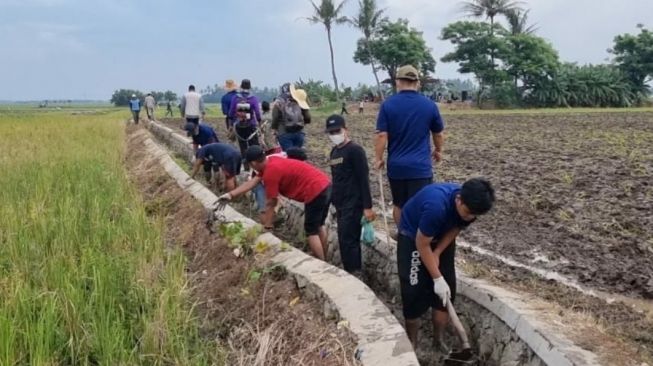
86,49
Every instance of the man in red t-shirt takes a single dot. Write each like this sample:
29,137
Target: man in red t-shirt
295,180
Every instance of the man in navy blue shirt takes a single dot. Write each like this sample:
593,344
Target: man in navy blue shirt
231,89
201,133
404,124
430,222
216,156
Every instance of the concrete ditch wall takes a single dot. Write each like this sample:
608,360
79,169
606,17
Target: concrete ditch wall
504,329
381,339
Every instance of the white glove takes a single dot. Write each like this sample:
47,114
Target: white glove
441,289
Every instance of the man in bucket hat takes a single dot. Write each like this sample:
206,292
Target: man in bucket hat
289,115
232,89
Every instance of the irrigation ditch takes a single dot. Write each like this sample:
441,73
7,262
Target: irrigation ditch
504,328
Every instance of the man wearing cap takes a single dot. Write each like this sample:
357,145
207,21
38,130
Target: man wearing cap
289,115
225,102
351,191
135,107
215,156
150,103
295,180
404,124
202,134
430,222
192,106
245,114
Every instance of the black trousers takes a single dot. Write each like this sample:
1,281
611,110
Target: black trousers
349,235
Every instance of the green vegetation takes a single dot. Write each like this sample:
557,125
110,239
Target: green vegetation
85,275
329,14
121,97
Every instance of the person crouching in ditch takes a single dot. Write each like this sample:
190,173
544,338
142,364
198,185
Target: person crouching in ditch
215,156
351,192
295,180
430,222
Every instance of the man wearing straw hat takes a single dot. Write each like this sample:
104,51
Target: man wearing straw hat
404,124
231,89
289,115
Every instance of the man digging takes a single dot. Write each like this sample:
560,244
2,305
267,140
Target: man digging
217,156
430,222
295,180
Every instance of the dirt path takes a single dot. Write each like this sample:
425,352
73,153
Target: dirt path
255,319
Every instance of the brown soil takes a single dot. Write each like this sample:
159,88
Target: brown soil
575,191
253,319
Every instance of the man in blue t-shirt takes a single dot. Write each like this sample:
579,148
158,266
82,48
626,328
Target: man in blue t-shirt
430,222
201,133
404,124
135,107
225,102
216,156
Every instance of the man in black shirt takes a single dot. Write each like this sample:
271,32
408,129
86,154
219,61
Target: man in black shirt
351,191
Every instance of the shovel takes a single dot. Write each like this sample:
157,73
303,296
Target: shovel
385,219
465,356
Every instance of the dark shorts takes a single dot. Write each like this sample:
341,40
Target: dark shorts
195,120
402,190
316,211
416,284
231,167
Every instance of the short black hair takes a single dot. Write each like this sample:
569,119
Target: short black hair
246,84
297,153
265,105
254,153
191,87
478,195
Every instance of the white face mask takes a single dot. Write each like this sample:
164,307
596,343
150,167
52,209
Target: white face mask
337,139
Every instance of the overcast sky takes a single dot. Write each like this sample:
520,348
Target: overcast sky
85,49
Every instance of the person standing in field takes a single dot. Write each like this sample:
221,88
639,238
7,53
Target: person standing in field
361,107
296,180
344,111
192,106
430,222
351,192
289,115
135,107
246,115
225,102
169,109
150,104
215,157
404,124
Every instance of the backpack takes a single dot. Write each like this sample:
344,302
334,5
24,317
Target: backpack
291,114
243,111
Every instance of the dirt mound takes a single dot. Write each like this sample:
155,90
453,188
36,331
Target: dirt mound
253,310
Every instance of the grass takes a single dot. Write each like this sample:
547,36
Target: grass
85,274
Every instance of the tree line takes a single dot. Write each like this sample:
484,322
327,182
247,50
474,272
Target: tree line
121,97
512,65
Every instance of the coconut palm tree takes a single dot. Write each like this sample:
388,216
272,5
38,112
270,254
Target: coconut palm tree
368,20
329,14
518,22
489,9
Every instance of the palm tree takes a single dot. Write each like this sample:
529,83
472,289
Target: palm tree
489,9
328,14
518,22
367,21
